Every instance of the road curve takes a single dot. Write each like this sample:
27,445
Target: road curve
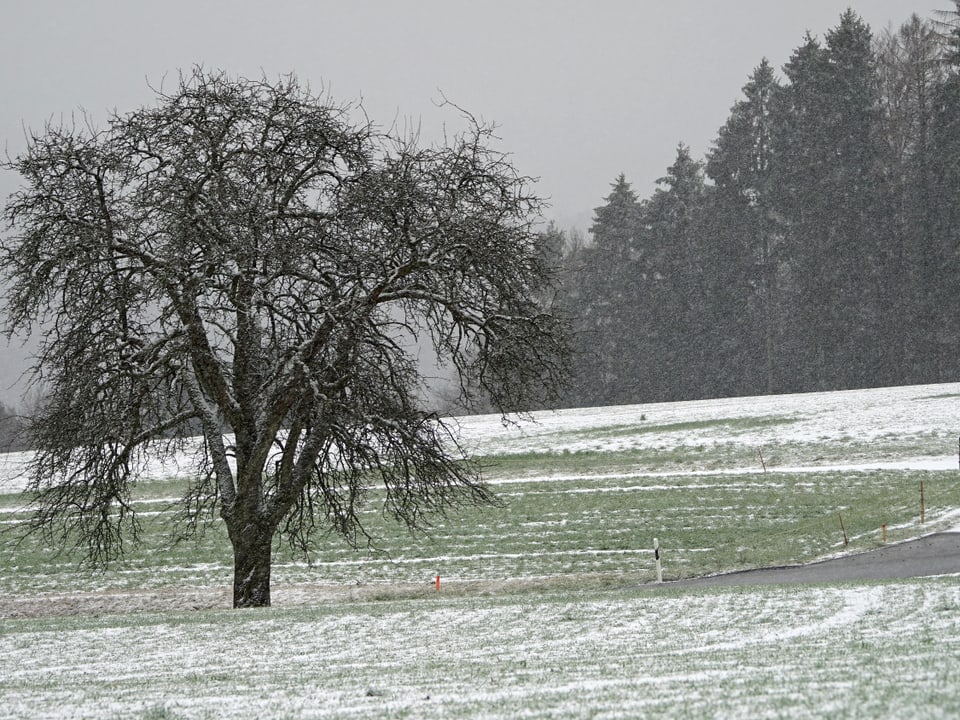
937,554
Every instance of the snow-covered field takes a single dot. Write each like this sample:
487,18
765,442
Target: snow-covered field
884,650
850,417
925,419
585,491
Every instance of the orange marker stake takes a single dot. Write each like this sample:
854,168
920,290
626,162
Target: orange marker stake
438,582
884,533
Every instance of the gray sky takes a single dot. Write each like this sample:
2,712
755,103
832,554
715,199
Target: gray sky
581,91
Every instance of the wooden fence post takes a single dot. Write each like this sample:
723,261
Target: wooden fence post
922,508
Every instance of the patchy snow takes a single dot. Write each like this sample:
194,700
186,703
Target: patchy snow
885,650
853,415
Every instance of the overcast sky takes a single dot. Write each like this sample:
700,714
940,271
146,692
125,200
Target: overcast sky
580,91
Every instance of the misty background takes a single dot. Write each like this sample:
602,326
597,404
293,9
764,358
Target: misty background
580,92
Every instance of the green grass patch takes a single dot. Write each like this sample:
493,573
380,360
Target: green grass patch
574,525
545,608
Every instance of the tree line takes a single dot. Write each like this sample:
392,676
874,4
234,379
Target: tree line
816,247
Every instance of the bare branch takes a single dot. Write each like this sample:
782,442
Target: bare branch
242,259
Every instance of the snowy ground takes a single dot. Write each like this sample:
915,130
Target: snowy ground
855,417
879,650
899,428
852,416
885,649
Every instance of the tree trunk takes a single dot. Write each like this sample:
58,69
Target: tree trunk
251,566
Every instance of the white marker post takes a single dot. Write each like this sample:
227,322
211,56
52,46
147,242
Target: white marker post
656,556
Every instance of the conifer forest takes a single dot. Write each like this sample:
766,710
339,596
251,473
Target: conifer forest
815,247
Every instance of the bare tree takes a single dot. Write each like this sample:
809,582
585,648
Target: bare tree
245,259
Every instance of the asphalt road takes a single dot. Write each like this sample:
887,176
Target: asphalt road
937,554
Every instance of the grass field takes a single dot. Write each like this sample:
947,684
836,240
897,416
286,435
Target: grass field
546,607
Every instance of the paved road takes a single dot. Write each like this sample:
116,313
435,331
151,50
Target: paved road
937,554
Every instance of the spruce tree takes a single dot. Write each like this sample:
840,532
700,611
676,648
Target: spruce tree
603,301
944,342
909,71
747,238
676,355
826,159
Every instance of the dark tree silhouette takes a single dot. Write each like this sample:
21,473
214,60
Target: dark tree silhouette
244,258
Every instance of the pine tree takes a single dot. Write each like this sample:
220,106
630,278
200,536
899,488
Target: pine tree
676,353
826,159
909,71
603,300
748,235
944,337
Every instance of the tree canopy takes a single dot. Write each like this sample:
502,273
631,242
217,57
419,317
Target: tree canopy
246,260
